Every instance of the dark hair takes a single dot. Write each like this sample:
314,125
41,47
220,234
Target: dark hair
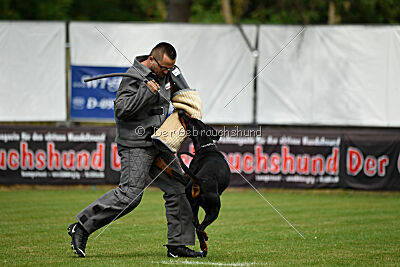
163,48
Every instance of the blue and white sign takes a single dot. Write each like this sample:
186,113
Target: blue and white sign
93,100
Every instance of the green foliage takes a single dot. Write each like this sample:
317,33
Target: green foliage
206,11
369,11
97,10
118,10
35,10
288,11
299,11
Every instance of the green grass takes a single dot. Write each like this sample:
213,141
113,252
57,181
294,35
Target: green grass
342,228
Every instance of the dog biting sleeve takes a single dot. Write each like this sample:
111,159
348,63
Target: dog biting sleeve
171,133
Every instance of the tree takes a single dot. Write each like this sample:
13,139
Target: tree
226,11
207,11
178,10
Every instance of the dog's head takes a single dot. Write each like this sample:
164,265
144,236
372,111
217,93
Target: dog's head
198,131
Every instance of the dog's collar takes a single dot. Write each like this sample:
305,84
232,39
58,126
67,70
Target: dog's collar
207,145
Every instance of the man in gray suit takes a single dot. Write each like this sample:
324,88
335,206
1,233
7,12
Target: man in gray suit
139,109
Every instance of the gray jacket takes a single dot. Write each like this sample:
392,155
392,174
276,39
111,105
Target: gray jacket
138,111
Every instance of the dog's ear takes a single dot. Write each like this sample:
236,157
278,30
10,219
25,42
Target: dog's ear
215,134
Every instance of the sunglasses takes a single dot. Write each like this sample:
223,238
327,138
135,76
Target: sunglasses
163,68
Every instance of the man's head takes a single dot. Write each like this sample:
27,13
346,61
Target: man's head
162,58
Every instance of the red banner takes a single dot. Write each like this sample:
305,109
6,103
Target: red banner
51,155
269,156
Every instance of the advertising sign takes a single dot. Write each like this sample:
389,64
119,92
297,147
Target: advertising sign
265,157
93,100
47,155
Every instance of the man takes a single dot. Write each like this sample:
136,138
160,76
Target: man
139,109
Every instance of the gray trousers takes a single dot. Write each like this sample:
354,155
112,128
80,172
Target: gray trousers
136,165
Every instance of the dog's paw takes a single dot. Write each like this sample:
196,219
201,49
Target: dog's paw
202,235
205,236
203,246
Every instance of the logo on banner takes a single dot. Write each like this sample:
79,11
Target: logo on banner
94,99
110,84
78,103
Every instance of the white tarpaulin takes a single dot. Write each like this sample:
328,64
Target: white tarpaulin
214,59
32,71
328,75
340,75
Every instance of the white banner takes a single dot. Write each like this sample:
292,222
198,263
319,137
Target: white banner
32,71
340,75
213,58
328,75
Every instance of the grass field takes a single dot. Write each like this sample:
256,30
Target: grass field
341,228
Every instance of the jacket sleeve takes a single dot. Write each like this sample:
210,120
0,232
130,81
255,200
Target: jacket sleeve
132,96
177,80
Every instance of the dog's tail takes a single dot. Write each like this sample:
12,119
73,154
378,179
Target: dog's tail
185,168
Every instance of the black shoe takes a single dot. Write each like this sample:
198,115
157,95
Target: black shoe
79,238
182,251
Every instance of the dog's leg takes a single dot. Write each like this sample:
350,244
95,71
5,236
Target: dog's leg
195,209
201,236
162,166
194,204
211,208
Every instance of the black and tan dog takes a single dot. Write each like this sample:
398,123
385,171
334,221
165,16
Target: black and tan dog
209,174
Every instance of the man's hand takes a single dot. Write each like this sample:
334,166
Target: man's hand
154,87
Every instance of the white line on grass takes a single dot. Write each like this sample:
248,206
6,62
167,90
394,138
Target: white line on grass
207,263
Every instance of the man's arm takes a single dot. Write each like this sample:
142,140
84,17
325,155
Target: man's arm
178,82
133,96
